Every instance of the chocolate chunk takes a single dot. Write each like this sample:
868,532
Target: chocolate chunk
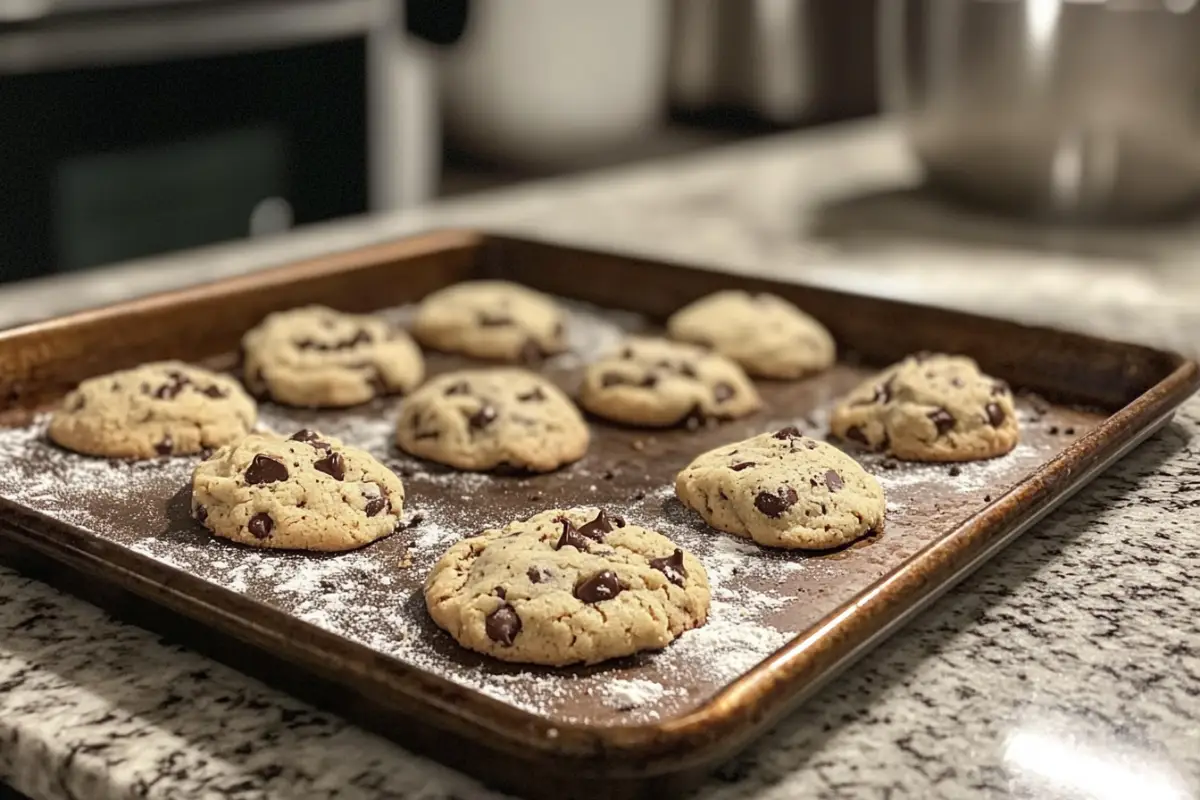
533,394
614,379
310,437
995,414
332,465
169,391
489,320
601,525
723,391
855,433
530,352
742,466
956,383
264,469
942,420
458,387
774,505
571,537
671,566
260,525
375,505
165,447
214,391
790,432
485,416
201,514
537,574
955,471
503,625
604,585
833,480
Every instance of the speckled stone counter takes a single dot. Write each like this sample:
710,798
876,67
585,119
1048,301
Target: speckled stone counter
1067,667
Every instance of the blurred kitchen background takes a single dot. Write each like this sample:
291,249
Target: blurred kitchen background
131,128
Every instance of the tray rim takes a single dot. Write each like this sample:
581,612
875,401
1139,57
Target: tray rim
707,727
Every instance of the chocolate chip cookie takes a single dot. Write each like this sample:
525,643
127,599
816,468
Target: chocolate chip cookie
315,356
784,489
306,492
503,418
159,409
930,407
567,587
659,383
765,334
495,320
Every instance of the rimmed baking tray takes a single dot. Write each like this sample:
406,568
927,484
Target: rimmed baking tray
350,631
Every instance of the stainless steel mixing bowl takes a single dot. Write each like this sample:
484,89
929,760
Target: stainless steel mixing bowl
1075,109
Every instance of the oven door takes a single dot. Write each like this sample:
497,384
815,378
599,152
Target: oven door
124,136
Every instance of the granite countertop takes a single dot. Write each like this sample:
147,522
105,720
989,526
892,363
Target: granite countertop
1069,666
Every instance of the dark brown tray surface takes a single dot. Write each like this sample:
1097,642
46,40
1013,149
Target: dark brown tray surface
656,703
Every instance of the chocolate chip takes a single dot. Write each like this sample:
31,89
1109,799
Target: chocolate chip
458,387
260,525
833,480
688,371
533,394
723,391
790,432
168,391
773,505
375,505
600,526
332,465
999,388
995,414
671,566
310,437
537,574
530,352
500,592
942,420
743,465
855,433
489,320
165,447
214,391
560,331
883,392
264,469
694,419
627,353
956,383
615,379
955,471
485,416
604,585
201,514
503,625
571,537
77,403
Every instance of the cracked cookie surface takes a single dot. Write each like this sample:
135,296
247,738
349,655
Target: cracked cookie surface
306,492
486,419
768,336
659,383
567,587
494,320
930,407
784,489
317,357
158,409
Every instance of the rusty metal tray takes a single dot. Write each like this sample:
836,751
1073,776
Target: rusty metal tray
350,632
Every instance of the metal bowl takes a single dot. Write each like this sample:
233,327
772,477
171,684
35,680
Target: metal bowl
1075,109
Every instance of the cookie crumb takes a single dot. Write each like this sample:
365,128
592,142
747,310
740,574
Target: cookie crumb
1052,430
955,471
987,498
1069,431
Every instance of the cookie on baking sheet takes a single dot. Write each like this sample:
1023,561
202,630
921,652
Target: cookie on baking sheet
158,409
306,492
567,587
491,319
784,489
768,336
930,407
315,356
659,383
486,419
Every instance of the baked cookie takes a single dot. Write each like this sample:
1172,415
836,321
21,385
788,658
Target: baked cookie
315,356
930,408
567,587
491,319
767,335
784,489
307,492
658,383
484,419
159,409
